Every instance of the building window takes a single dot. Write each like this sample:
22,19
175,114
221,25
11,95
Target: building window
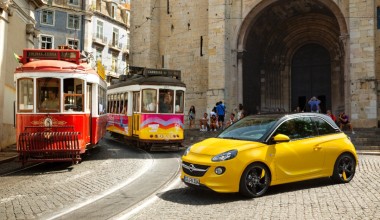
113,12
99,29
73,43
74,2
378,17
115,37
114,62
128,41
99,52
73,21
47,17
46,42
125,17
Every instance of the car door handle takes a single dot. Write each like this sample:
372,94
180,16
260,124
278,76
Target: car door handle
317,147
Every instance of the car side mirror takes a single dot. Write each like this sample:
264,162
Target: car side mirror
281,138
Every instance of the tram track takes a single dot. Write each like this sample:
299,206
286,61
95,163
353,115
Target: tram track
20,169
122,200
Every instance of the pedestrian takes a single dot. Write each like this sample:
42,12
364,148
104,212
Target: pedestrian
203,122
231,120
191,116
344,121
213,121
314,104
240,111
221,111
332,116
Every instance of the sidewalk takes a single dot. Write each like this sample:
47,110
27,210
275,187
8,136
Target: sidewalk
8,154
191,136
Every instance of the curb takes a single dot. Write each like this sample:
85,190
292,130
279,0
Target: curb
8,159
376,153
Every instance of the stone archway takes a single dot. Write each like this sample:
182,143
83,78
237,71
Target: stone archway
271,35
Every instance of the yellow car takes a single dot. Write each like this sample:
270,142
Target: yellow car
265,150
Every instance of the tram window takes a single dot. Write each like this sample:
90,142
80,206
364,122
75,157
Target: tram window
48,94
112,104
179,97
125,106
136,102
116,103
102,101
109,106
25,94
166,101
149,101
73,97
119,104
88,97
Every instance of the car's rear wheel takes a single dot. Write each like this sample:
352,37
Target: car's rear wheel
255,180
344,168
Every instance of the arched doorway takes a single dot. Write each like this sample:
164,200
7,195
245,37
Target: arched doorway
282,48
311,76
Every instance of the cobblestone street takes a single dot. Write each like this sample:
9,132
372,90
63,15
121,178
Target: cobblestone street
316,199
41,191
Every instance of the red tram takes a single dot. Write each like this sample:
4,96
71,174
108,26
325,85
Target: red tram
60,105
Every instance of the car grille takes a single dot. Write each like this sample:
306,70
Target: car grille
194,169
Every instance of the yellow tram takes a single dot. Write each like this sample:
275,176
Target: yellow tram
148,106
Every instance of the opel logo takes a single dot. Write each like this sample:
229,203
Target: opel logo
191,167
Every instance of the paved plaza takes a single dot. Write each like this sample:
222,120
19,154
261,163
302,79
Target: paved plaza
44,191
316,199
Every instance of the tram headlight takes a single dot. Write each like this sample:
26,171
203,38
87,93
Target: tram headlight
187,151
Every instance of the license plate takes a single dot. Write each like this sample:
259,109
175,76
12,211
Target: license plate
191,180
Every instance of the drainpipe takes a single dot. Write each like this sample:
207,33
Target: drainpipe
82,33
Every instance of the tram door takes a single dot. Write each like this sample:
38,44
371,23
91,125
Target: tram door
136,114
89,109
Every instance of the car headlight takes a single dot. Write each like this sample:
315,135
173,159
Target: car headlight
225,156
186,151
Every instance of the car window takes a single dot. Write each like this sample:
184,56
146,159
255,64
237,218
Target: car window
297,128
248,129
323,127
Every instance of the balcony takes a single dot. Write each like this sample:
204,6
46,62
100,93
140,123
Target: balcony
115,47
102,41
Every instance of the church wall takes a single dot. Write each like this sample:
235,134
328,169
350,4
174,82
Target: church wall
362,98
377,64
172,40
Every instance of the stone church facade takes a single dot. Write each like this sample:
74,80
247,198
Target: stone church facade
270,55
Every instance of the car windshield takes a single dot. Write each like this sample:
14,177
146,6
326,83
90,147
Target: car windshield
249,128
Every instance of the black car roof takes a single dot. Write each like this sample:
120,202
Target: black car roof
282,116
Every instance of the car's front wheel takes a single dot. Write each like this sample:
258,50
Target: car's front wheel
344,168
255,180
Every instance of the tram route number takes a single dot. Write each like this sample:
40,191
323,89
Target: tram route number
191,180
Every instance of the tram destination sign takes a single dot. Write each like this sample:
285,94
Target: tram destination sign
42,54
48,54
54,55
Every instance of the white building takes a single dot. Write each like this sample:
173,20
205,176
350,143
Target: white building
108,35
17,31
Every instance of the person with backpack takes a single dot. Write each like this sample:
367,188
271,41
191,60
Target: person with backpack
314,104
221,111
